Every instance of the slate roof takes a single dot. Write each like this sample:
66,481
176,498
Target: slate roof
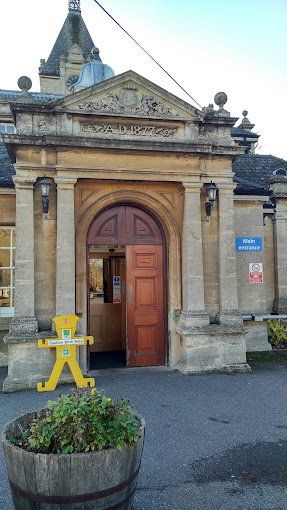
74,31
6,168
236,131
10,96
253,171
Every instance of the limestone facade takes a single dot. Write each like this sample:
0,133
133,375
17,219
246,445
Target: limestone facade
159,155
128,143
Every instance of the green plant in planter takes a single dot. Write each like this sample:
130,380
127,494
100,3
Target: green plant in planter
81,421
83,450
277,333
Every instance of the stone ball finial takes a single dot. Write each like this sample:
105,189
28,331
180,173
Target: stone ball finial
245,113
220,99
24,83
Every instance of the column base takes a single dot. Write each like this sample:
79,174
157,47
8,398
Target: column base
229,318
213,349
280,306
194,319
23,327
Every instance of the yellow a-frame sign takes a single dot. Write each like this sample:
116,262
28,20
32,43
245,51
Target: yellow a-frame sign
65,345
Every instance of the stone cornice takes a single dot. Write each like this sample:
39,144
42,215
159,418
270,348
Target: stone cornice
117,144
250,198
7,191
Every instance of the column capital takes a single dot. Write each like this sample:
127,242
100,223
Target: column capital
225,187
65,182
190,187
26,182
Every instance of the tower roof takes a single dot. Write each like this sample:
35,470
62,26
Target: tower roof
74,31
94,72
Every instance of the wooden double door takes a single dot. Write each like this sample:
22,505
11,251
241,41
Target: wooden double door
138,234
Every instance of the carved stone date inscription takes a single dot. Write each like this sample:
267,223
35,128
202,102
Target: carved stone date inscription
131,130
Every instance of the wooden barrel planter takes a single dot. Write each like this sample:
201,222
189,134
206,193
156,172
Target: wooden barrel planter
102,480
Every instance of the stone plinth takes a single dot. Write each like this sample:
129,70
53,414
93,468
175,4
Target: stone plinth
22,327
257,337
214,348
28,364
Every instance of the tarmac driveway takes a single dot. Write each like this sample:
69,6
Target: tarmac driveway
213,442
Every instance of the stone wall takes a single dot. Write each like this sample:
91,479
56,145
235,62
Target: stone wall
249,223
253,296
7,207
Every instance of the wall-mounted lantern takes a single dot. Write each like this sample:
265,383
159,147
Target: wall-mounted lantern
211,195
44,186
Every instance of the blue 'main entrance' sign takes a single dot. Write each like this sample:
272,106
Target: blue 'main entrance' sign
248,243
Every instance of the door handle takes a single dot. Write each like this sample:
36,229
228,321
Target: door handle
130,294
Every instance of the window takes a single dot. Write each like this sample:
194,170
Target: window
280,171
7,128
7,271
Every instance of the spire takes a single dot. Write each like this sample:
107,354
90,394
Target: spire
75,5
74,31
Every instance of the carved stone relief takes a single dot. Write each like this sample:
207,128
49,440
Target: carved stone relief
129,101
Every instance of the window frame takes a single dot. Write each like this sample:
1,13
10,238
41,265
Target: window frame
6,126
8,311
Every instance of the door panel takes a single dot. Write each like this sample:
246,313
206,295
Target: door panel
124,225
145,293
106,327
145,307
107,318
109,227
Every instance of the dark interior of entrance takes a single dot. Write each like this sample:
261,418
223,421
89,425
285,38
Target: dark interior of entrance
107,305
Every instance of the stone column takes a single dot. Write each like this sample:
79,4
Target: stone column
65,272
24,322
193,308
278,185
228,295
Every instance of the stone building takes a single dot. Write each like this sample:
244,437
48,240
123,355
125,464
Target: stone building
128,239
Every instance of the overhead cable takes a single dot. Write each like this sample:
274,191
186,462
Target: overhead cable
147,53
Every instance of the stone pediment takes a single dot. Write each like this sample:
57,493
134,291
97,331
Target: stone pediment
128,95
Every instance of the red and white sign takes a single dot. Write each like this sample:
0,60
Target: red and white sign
116,289
256,272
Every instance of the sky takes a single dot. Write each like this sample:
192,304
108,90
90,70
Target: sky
205,45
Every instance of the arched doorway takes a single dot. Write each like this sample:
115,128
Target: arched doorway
127,301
